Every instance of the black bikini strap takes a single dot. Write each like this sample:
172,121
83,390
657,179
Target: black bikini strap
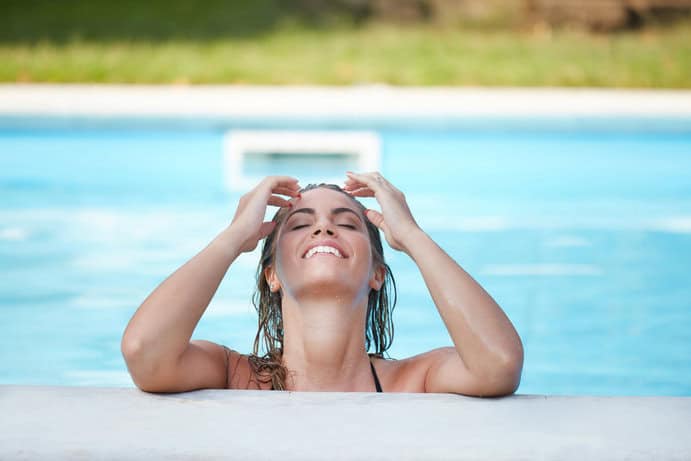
376,379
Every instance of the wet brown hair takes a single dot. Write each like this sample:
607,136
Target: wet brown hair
378,331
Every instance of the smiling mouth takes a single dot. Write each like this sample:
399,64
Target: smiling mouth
321,249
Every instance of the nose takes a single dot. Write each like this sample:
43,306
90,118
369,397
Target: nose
323,228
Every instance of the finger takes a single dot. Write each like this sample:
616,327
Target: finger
351,184
363,178
361,192
375,217
281,180
278,201
289,191
372,180
287,182
350,178
266,228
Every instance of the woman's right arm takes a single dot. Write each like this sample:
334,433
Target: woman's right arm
156,343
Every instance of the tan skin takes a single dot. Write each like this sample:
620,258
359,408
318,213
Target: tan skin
324,303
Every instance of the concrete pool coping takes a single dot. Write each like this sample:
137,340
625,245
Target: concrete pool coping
345,102
47,422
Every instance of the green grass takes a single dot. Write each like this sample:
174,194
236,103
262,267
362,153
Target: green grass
281,50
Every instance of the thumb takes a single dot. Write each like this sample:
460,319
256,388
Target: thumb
266,228
375,217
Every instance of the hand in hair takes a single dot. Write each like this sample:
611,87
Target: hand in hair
248,221
395,218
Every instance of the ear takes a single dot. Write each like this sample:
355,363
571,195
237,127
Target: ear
378,277
272,279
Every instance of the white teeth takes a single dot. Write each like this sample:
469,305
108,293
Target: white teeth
323,249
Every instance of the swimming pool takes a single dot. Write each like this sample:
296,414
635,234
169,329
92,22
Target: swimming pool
580,229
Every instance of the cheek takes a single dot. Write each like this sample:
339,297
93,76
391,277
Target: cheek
282,256
366,250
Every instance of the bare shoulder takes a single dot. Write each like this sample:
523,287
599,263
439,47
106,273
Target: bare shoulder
240,373
236,370
442,370
408,374
202,365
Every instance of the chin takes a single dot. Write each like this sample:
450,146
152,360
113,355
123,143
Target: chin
327,286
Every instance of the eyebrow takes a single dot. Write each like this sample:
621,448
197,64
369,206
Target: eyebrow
335,211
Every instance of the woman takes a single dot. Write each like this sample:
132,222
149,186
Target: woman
322,301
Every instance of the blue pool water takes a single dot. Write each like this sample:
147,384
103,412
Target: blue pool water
581,230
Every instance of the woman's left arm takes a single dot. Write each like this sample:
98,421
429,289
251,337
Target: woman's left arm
488,355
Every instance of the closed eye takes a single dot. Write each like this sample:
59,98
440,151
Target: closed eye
299,226
349,226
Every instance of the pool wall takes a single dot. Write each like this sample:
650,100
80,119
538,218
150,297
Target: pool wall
356,102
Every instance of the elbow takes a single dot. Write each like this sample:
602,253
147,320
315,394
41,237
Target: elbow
131,343
501,384
130,347
510,383
147,387
511,368
142,371
134,351
506,376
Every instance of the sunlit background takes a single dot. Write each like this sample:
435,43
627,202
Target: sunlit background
580,227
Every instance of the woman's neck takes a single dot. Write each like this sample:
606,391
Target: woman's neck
324,346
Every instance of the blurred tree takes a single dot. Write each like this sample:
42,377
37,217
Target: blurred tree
606,14
159,20
488,13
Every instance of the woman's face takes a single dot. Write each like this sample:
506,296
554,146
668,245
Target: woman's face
323,248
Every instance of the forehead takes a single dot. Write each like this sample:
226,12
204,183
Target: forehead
324,200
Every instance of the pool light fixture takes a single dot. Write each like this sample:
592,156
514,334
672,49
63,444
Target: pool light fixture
322,156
